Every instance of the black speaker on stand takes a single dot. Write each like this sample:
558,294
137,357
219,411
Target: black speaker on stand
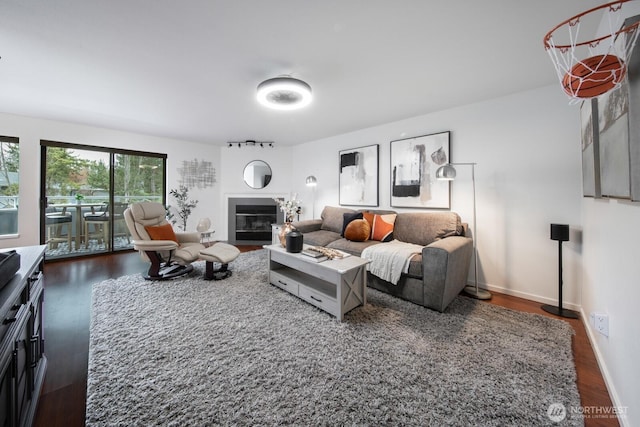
560,232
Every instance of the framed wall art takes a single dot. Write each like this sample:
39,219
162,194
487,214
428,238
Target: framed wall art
359,176
633,75
613,140
590,149
197,173
414,162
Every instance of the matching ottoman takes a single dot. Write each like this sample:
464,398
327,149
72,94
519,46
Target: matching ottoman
221,253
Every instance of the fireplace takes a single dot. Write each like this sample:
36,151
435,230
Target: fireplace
250,220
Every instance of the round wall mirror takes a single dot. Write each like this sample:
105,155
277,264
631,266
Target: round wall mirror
257,174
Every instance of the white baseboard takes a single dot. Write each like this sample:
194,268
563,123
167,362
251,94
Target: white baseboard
531,297
615,400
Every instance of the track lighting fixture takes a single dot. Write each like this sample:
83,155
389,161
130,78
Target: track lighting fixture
251,143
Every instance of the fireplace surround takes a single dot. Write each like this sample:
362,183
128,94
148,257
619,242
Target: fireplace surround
250,220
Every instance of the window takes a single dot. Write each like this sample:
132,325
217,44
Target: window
9,185
85,190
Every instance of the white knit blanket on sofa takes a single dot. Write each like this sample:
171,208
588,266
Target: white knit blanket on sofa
389,260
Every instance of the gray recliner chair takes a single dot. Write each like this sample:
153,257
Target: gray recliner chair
168,258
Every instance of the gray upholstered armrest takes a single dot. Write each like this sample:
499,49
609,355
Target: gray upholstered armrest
154,245
191,237
445,265
307,225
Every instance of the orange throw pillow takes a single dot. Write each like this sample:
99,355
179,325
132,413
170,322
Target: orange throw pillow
161,232
369,218
382,229
358,230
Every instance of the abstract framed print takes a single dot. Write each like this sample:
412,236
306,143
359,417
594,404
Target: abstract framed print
414,162
358,176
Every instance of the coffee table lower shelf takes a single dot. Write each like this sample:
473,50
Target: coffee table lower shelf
335,286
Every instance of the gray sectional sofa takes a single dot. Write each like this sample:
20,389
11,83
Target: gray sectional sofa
435,277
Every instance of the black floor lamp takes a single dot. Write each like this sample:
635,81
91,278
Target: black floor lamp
560,232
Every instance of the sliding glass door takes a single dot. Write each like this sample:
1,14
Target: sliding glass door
136,178
85,191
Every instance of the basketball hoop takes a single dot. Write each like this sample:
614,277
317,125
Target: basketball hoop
587,69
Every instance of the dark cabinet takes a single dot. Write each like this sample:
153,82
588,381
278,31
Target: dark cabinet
22,359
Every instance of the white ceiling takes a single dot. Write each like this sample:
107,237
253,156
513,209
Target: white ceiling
189,69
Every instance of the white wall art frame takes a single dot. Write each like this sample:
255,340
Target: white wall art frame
414,162
358,175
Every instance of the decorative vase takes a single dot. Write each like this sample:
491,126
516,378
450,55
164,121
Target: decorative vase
203,225
294,241
284,230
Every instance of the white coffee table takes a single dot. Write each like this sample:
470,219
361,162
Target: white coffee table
336,286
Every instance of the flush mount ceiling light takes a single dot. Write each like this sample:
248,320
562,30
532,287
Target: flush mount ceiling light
284,93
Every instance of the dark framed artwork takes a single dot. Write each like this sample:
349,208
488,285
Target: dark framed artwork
414,162
590,149
359,176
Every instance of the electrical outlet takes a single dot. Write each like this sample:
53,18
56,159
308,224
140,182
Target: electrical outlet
601,323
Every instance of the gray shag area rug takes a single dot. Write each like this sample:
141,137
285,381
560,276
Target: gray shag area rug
240,351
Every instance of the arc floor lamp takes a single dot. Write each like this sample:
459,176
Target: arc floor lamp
448,173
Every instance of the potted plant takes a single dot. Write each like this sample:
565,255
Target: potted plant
290,208
183,209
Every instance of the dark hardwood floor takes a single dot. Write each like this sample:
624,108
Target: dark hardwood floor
67,319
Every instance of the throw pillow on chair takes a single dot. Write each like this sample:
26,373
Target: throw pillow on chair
161,232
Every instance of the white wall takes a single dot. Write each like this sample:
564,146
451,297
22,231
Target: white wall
30,131
528,176
610,285
611,275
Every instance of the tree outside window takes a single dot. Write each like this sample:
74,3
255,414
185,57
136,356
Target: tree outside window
9,184
70,172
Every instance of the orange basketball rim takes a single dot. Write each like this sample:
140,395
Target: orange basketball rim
587,69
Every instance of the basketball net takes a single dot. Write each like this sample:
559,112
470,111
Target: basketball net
587,69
